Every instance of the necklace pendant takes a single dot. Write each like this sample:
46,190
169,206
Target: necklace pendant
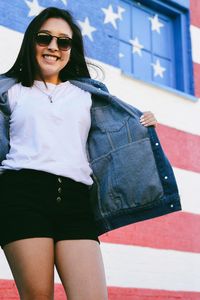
50,98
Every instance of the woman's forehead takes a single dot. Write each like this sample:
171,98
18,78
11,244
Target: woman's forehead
57,26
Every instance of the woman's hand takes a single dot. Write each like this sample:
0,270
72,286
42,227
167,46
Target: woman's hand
148,119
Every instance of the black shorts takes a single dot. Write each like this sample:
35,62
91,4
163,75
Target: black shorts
39,204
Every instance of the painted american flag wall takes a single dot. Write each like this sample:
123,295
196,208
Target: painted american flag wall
160,258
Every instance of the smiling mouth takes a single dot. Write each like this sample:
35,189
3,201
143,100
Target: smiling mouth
50,57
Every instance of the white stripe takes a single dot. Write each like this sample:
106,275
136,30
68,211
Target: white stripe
195,39
5,272
141,267
189,189
170,109
131,266
10,44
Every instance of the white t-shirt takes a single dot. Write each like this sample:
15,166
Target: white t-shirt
50,136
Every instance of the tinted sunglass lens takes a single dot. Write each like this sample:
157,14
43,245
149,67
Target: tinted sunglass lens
64,44
43,39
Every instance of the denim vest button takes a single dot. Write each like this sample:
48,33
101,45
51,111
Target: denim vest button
156,144
166,177
172,205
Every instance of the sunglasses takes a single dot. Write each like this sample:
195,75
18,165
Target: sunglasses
44,39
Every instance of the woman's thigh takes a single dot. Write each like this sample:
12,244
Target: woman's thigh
80,266
32,264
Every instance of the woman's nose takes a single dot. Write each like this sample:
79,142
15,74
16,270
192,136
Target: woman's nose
53,44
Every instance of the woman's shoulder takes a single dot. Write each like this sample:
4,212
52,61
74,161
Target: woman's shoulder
4,78
6,83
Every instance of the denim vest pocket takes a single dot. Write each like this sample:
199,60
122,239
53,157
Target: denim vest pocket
108,120
127,178
110,129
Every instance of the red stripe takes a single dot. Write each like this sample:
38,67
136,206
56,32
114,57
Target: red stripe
148,294
177,231
8,291
197,76
181,148
195,12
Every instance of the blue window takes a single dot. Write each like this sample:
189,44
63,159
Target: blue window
154,43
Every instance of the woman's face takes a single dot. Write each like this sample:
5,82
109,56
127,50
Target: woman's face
50,58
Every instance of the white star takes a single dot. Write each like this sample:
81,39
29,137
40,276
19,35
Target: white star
158,70
121,55
155,24
63,1
35,8
120,11
137,47
110,16
87,29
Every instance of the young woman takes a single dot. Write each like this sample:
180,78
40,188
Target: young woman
46,182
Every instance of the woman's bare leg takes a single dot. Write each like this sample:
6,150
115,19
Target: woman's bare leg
32,264
80,266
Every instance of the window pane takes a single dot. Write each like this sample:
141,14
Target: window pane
161,71
125,56
162,43
142,66
125,26
141,27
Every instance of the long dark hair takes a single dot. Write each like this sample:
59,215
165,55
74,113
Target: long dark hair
26,67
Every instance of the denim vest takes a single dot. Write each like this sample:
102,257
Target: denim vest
133,179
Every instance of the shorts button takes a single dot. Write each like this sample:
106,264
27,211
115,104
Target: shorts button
59,190
59,179
58,199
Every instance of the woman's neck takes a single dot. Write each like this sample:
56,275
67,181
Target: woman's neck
50,80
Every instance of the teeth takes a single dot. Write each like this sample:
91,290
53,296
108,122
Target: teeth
49,57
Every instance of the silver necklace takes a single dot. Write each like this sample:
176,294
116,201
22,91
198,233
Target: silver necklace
50,96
